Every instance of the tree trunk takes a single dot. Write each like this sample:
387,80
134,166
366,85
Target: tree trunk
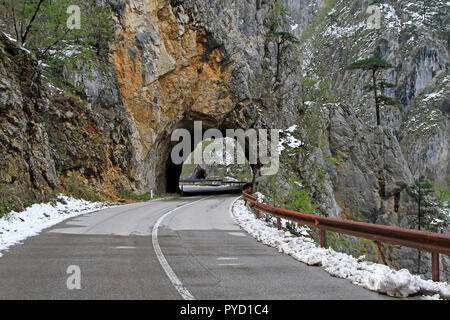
375,91
418,227
279,43
24,37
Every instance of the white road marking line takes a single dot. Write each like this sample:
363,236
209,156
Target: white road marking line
125,247
185,294
225,258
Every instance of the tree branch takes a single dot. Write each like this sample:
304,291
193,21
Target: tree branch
15,23
24,5
30,24
53,44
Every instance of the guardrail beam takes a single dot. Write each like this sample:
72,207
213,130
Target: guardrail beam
433,242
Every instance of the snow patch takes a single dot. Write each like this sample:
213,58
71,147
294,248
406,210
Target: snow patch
15,41
287,139
339,32
372,276
18,226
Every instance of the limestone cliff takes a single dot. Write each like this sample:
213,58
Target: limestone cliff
217,61
51,142
176,61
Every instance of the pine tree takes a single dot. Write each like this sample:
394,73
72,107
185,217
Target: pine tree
374,65
41,25
420,191
426,7
430,215
44,27
283,38
443,20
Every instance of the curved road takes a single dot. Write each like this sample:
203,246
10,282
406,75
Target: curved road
197,244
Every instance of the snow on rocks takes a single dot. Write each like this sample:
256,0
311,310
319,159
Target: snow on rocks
339,32
15,41
17,226
287,139
372,276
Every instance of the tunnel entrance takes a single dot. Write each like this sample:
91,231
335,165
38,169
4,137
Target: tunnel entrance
219,159
199,173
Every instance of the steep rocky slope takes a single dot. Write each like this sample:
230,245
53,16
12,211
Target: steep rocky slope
217,61
51,142
413,37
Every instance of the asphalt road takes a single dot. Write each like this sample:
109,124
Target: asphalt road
196,250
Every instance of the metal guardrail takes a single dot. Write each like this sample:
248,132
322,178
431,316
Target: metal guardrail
433,242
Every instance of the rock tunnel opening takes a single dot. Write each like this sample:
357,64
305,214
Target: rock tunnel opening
217,162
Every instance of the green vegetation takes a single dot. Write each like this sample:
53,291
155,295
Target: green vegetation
298,199
276,16
128,195
312,95
342,155
51,32
245,174
355,247
374,65
29,204
312,121
6,205
308,89
333,160
430,215
79,190
284,39
321,173
312,90
443,193
320,19
5,208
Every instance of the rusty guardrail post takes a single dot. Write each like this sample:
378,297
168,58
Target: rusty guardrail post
257,214
435,266
323,238
279,223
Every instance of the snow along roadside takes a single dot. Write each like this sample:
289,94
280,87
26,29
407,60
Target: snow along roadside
17,226
372,276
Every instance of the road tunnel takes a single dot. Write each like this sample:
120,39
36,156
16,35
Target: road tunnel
205,153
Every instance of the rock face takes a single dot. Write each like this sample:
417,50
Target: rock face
176,62
411,37
27,168
51,142
185,61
